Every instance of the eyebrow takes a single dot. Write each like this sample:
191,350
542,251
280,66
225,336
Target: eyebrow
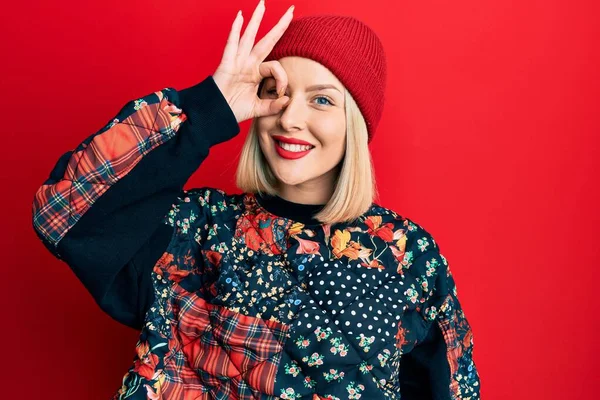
321,87
318,87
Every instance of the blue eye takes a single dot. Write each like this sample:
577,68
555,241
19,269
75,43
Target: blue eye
323,97
274,93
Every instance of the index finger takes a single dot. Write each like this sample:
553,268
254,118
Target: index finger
262,49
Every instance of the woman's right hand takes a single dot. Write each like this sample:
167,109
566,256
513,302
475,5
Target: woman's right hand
242,68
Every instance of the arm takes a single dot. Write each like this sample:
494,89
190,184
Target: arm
440,366
101,210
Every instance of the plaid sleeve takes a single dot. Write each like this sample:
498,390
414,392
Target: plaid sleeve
100,161
105,200
440,365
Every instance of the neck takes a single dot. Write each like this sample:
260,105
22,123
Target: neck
316,191
300,196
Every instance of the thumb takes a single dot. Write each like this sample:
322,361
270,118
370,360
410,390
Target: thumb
267,107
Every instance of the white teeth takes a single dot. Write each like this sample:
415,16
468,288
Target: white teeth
294,147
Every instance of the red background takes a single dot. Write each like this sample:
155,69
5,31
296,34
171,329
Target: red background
489,139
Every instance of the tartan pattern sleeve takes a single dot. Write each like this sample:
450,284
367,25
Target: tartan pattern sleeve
102,160
104,202
440,365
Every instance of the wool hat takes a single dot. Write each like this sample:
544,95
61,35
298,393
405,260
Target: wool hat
349,49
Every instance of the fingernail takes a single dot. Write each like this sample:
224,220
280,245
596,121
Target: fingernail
292,8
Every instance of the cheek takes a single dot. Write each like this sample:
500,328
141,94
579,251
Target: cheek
262,128
260,124
331,133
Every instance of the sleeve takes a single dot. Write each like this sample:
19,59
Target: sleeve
440,365
103,208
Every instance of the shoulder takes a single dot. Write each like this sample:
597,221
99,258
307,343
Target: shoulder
413,250
213,199
408,235
205,204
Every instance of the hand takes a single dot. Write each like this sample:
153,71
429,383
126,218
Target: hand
242,68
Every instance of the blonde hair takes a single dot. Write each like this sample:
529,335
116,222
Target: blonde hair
355,186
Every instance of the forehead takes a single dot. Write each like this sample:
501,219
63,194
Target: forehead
303,72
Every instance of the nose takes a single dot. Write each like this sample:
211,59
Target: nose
293,116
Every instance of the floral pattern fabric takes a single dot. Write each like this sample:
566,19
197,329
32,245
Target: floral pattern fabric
249,305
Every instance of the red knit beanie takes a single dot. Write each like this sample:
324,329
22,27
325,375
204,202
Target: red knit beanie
349,49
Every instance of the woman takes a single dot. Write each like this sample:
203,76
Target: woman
299,288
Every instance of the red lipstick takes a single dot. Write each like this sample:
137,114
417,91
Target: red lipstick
287,154
290,140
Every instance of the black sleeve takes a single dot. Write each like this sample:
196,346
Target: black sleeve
440,365
424,371
103,206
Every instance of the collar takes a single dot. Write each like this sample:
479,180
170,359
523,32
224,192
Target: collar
287,209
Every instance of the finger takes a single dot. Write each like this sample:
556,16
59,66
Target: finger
234,37
267,107
274,69
247,41
262,49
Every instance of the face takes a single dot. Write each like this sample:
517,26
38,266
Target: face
315,116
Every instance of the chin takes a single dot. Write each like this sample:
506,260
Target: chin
290,180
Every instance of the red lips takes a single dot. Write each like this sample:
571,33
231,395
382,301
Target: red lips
289,155
291,140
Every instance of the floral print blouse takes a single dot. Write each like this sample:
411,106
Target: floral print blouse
247,296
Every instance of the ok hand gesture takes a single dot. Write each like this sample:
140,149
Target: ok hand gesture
242,68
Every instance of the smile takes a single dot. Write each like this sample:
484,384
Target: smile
292,151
